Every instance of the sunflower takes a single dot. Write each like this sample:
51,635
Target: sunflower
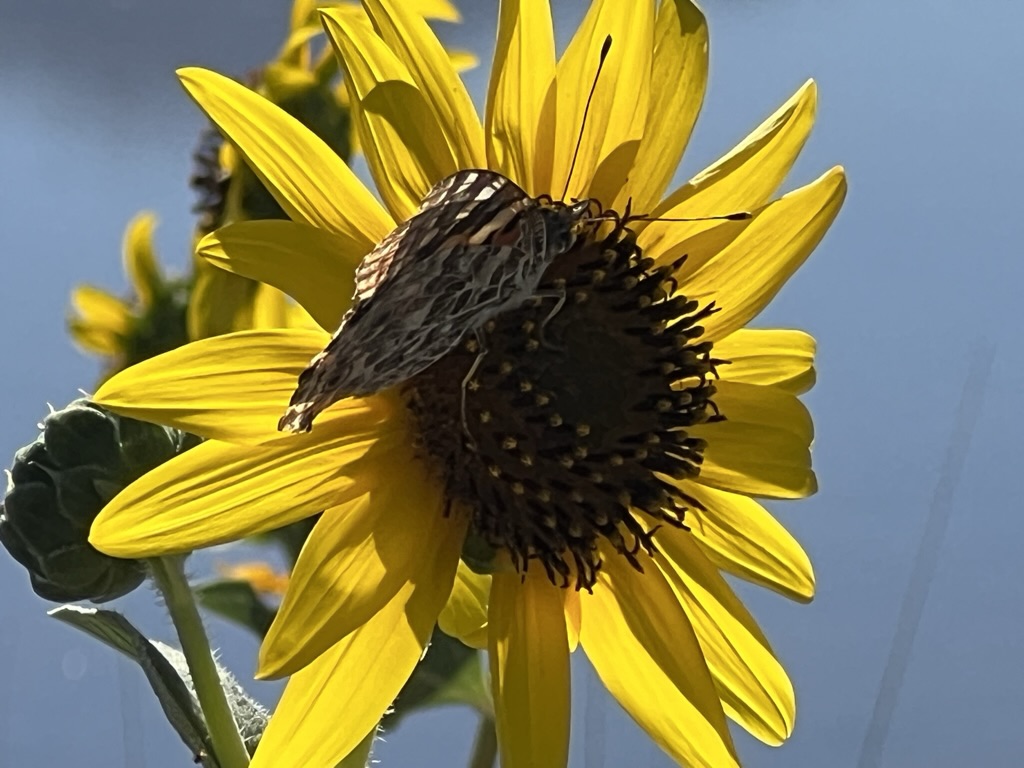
302,80
615,460
150,321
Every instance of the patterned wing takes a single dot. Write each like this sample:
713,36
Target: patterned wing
450,209
417,292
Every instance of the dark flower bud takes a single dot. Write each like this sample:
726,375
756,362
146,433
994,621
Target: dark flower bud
57,485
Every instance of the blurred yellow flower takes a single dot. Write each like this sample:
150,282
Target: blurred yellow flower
584,450
301,80
150,321
155,319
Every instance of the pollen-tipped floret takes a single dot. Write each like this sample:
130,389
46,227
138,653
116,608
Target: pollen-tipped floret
575,420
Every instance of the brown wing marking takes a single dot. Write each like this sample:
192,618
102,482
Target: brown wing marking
447,213
318,387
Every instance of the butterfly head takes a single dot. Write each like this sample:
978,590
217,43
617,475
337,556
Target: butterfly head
565,222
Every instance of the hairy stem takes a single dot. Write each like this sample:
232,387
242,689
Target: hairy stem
169,576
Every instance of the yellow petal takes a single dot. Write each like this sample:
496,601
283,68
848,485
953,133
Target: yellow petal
740,536
331,705
292,66
779,358
310,265
232,387
95,340
755,690
529,655
140,262
302,14
442,10
309,181
464,616
298,317
220,303
462,61
637,636
404,144
618,111
743,179
269,308
418,48
573,617
745,276
763,447
219,492
356,559
681,59
100,311
521,78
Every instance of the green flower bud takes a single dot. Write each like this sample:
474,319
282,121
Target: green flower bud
57,485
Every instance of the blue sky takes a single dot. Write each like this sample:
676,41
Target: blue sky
920,100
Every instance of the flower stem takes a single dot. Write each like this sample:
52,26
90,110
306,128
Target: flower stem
485,745
169,575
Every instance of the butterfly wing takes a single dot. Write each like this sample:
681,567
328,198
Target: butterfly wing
418,292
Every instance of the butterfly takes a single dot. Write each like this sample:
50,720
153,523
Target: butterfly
477,246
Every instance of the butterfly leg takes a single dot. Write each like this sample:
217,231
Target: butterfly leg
560,295
481,353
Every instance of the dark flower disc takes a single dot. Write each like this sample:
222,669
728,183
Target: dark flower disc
574,415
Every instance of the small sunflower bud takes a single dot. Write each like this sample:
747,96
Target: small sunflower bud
57,485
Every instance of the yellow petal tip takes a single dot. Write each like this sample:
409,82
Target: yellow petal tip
802,591
804,597
328,14
96,539
836,175
189,74
272,665
207,243
264,671
105,538
271,672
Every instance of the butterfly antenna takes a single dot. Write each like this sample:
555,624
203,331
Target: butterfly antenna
627,217
737,216
586,111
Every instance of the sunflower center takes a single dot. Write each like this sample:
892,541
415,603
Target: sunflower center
560,419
